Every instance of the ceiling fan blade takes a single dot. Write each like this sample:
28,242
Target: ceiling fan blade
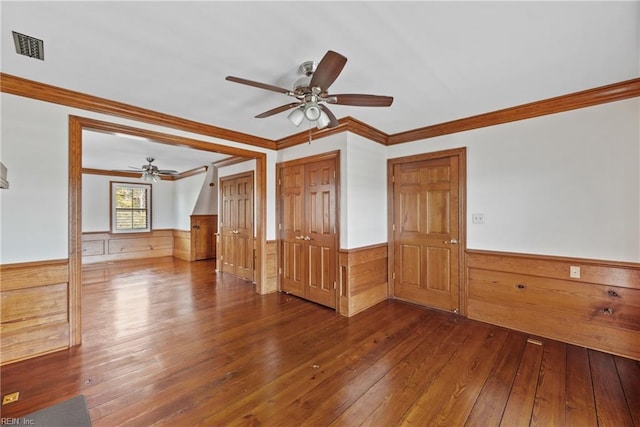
167,172
333,122
259,85
277,110
328,70
361,100
127,170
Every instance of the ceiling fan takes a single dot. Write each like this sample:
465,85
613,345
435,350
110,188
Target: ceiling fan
150,172
311,92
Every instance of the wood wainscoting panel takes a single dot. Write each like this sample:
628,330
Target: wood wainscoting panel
122,246
182,244
34,315
363,278
535,294
271,282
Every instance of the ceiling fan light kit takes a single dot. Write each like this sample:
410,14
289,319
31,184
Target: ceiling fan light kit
311,92
150,176
296,116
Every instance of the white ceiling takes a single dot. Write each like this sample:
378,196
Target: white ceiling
120,152
440,60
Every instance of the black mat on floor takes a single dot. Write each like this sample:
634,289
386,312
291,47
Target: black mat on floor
70,413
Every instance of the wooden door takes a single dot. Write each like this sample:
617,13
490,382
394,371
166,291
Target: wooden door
236,225
292,229
307,229
203,229
426,232
320,243
244,227
227,226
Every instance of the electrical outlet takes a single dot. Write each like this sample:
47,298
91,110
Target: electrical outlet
10,398
477,218
574,272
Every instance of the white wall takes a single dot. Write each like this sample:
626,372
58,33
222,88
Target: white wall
566,184
185,196
207,203
34,212
366,193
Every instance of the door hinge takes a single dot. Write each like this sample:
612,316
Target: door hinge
280,271
393,227
279,226
393,275
393,178
334,284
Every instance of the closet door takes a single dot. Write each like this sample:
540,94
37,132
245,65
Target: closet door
292,229
320,232
307,229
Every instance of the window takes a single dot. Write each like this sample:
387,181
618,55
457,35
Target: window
130,207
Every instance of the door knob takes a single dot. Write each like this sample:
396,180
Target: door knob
307,238
451,242
299,237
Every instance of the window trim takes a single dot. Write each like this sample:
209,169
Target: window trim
112,216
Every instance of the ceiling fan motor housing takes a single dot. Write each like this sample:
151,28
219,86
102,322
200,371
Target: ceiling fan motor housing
311,109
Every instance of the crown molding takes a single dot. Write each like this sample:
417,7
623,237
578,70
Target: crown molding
345,124
48,93
230,161
586,98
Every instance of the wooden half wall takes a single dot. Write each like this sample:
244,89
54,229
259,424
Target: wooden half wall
34,316
363,278
105,246
536,294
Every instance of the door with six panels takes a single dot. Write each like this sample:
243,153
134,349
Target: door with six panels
307,228
236,225
426,232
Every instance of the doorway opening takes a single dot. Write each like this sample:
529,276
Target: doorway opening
76,127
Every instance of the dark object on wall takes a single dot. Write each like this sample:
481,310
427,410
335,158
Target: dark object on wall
3,176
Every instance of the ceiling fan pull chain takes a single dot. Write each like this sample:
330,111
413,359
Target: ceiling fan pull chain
309,132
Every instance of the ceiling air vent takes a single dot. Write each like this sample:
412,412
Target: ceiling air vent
29,46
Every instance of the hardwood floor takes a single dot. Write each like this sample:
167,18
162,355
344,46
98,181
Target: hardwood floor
168,342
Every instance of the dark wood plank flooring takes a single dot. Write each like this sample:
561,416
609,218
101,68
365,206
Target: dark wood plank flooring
167,342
